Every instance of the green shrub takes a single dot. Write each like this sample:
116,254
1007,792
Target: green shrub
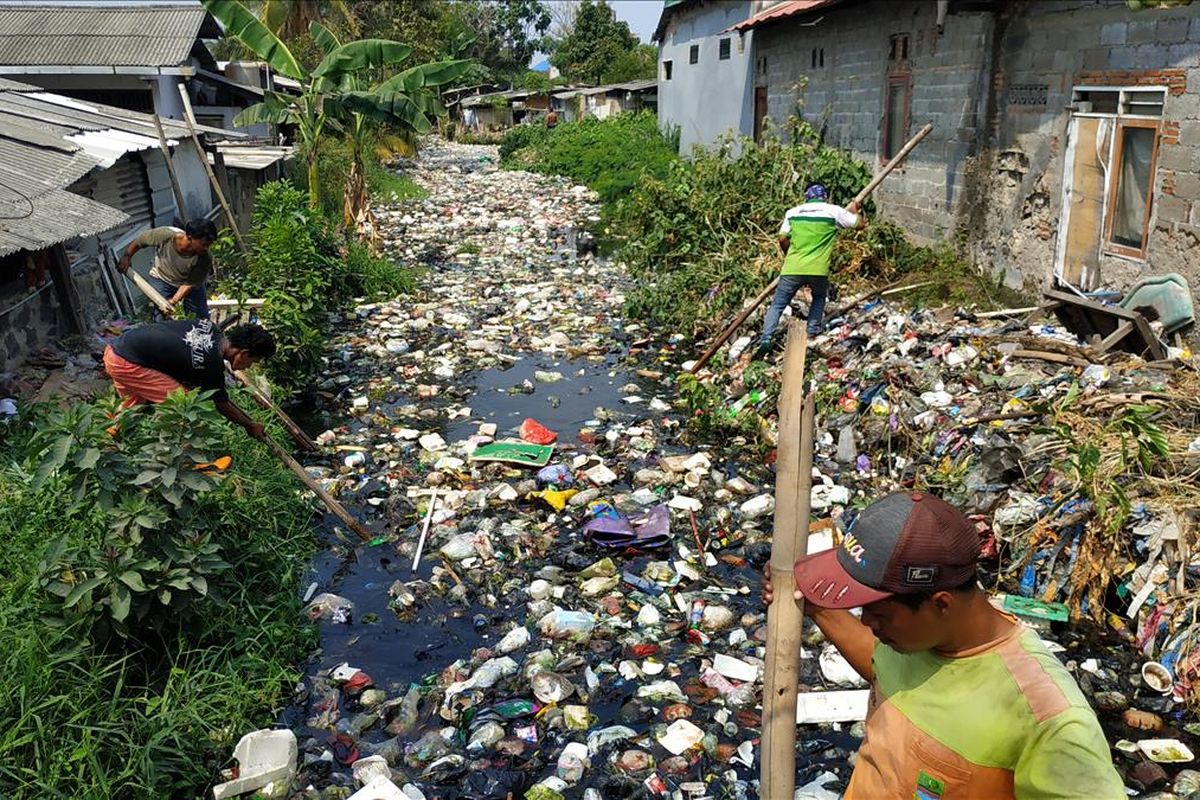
609,155
333,165
302,270
149,717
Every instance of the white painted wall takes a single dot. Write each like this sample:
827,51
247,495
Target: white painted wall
193,180
709,98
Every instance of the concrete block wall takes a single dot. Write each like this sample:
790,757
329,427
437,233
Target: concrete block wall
1016,227
845,99
28,323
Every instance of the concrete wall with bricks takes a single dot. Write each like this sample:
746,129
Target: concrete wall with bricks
1056,47
997,85
845,97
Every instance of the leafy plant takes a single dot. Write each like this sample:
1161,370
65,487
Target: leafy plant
155,556
335,93
611,156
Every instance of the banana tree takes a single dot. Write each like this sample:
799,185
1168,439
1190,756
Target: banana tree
320,87
406,103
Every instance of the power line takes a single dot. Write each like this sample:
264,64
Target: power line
23,196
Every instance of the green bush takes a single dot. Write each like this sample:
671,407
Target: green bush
302,270
153,715
609,155
333,164
703,237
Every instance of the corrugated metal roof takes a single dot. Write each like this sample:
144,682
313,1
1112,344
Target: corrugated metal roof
105,34
48,142
779,11
255,157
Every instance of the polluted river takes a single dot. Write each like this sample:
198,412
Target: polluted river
584,619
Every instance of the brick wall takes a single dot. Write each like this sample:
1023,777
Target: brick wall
846,97
995,174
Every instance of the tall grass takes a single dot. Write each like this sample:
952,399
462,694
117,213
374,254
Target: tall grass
155,718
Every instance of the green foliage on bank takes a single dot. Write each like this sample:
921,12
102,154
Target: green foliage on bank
703,237
385,185
148,609
303,270
611,156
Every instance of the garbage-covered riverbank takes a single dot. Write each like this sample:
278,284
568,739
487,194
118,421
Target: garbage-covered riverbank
584,619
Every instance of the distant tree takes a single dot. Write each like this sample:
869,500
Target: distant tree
423,24
634,65
289,19
597,40
504,35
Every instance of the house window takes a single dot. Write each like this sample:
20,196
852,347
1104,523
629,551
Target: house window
667,70
723,50
694,54
741,44
818,57
896,102
1134,153
1131,156
898,48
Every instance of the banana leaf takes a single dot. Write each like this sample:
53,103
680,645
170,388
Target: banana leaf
363,54
392,108
326,39
274,109
432,74
242,25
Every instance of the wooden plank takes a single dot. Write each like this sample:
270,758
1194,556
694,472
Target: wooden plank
1085,215
190,119
1120,333
180,206
789,541
64,287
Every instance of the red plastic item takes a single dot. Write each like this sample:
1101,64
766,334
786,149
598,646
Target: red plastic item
536,433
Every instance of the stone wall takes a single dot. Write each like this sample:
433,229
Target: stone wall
27,322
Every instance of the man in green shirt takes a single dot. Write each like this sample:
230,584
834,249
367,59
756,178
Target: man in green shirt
965,701
806,237
181,263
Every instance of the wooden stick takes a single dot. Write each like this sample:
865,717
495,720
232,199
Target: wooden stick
333,505
858,200
733,326
200,151
1055,358
166,154
424,530
789,541
297,433
301,438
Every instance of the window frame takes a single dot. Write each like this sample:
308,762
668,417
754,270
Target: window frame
694,54
724,49
1116,157
902,79
667,63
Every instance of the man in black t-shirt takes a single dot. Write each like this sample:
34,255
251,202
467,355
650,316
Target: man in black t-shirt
148,363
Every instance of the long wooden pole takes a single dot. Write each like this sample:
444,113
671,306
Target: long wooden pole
301,438
180,206
858,200
785,616
191,124
333,505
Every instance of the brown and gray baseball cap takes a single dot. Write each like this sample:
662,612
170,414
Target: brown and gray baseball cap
901,544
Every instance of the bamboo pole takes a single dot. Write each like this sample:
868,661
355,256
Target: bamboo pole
200,151
789,541
301,438
180,206
333,505
858,200
425,530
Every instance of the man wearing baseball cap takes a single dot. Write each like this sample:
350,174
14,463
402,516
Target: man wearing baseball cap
965,702
806,237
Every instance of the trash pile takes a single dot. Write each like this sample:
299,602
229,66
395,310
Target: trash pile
562,596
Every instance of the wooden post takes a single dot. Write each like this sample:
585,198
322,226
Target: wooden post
789,541
333,505
176,189
858,199
64,286
191,123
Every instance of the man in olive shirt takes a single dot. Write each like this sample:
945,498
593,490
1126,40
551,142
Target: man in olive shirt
181,263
